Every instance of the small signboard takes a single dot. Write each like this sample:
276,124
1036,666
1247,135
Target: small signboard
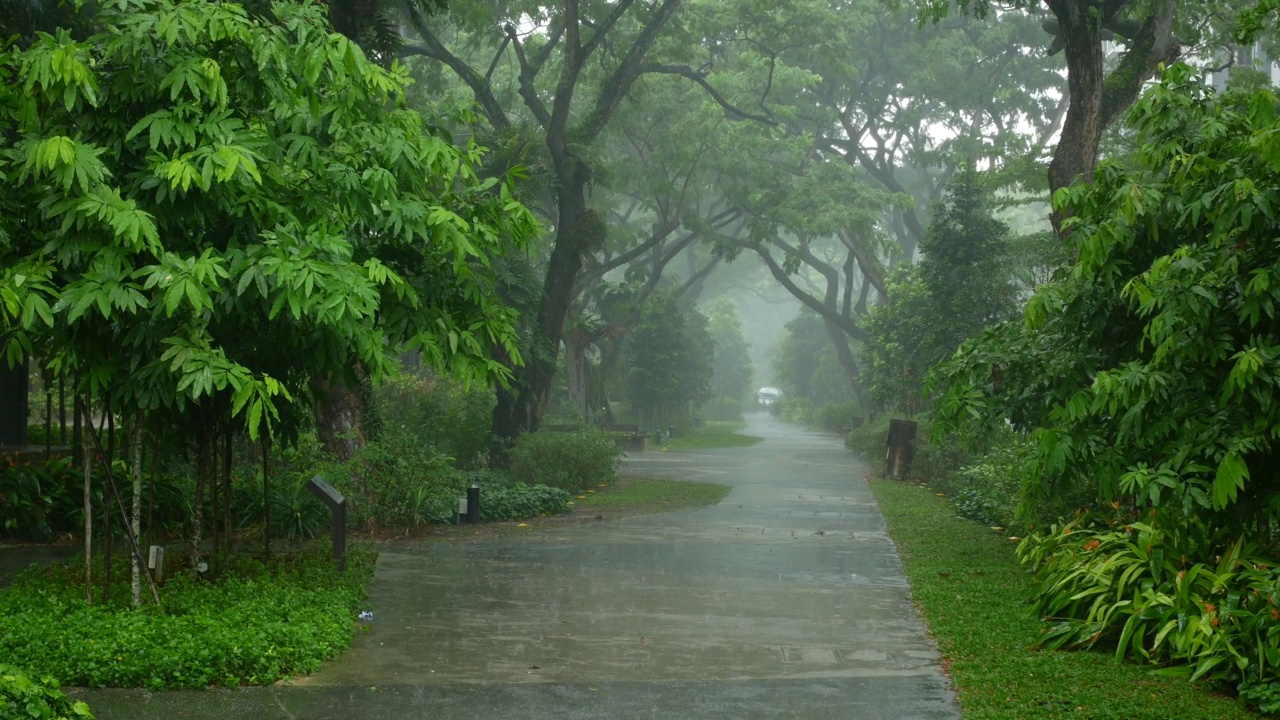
338,506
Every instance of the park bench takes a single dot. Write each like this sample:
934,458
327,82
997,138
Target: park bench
628,437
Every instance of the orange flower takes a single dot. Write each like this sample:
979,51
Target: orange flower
1275,614
1092,545
1210,608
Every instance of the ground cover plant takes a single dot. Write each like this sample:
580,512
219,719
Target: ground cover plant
971,591
637,496
22,696
713,434
255,623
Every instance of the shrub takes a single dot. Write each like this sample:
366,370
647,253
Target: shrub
520,501
723,409
836,417
398,482
795,410
255,624
439,414
35,499
42,699
569,461
869,440
987,489
1171,591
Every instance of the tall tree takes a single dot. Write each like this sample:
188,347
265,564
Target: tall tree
575,64
962,284
732,371
668,358
1096,96
203,210
1147,374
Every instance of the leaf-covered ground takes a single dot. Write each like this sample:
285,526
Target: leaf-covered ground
971,591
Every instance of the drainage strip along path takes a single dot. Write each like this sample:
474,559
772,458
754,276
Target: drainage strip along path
786,600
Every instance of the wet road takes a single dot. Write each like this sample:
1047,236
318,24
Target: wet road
786,600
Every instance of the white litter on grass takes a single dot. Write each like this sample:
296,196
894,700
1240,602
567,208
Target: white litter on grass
366,615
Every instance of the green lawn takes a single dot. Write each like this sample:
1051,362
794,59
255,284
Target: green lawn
971,590
637,496
713,434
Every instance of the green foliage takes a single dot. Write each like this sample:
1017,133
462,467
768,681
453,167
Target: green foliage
805,365
723,409
962,284
732,372
635,496
35,497
1169,591
519,501
838,417
870,438
713,434
255,624
987,488
570,461
22,696
669,361
1148,373
971,592
207,207
447,416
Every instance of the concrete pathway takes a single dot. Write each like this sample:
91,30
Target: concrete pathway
786,600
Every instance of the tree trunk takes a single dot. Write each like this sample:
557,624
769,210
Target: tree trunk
339,413
575,355
86,455
844,353
1095,98
1082,131
203,443
135,515
579,231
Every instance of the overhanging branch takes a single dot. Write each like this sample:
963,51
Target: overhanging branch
433,48
732,111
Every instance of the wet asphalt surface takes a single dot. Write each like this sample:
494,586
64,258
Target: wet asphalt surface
786,600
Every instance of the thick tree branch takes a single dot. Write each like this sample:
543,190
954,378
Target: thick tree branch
698,276
493,64
544,53
601,32
1153,44
624,75
433,48
528,81
558,122
830,314
731,110
872,270
846,306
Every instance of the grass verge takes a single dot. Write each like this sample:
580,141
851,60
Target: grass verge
972,590
257,623
639,496
714,434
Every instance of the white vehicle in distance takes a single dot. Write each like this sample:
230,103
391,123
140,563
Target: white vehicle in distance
767,396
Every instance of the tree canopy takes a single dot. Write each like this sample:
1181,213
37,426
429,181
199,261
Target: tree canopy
1148,373
208,208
